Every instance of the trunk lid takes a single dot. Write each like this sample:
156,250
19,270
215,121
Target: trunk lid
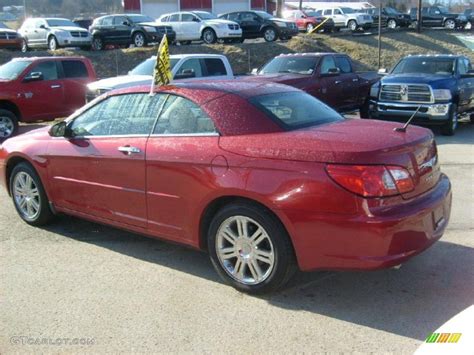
352,141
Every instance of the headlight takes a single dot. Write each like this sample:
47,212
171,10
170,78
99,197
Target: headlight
280,24
62,34
442,94
374,90
462,17
149,29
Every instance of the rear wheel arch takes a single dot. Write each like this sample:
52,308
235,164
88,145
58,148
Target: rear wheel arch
10,106
215,205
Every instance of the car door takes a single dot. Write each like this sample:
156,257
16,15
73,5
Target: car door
190,26
121,29
179,161
250,23
38,35
105,29
174,20
74,77
466,87
331,89
339,17
100,171
348,81
41,95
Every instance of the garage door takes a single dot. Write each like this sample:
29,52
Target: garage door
221,6
155,9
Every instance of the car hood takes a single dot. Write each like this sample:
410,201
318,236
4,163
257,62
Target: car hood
281,78
351,141
69,28
6,30
435,79
120,82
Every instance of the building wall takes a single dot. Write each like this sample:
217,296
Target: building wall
205,5
154,8
221,6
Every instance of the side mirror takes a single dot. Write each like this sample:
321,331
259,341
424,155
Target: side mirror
195,19
126,23
469,74
34,76
43,27
382,71
60,129
332,72
254,71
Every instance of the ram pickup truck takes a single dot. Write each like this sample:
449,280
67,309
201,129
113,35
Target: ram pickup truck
41,89
330,77
439,16
436,89
183,66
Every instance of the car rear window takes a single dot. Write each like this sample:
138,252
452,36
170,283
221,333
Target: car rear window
294,110
295,65
74,69
215,67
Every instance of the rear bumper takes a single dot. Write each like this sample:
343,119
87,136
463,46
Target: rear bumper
428,114
375,239
11,43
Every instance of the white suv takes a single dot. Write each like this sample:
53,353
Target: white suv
346,17
200,25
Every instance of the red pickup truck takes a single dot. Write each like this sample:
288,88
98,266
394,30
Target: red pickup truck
41,89
330,77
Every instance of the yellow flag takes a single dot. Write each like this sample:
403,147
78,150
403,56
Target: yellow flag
162,73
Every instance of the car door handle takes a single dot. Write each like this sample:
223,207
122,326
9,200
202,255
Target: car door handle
55,86
129,150
337,82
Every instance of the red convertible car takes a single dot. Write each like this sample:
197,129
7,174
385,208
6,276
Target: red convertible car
263,176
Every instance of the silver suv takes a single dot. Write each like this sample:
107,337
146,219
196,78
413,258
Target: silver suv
53,33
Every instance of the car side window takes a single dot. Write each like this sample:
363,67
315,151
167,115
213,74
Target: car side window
107,21
48,69
119,20
187,18
191,65
214,67
337,12
164,19
344,65
327,63
129,114
182,116
74,69
38,23
233,16
174,18
327,12
462,68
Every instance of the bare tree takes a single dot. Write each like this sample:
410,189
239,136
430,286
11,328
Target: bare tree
279,7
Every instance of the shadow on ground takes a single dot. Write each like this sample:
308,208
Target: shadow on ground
411,302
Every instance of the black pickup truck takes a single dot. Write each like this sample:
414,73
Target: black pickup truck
439,16
440,87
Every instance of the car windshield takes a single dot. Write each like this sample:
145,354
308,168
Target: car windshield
205,15
263,14
311,13
391,11
347,10
146,67
440,66
295,110
295,65
140,18
2,25
60,23
12,69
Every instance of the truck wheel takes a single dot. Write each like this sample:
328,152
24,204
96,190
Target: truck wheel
450,24
209,36
269,34
52,43
352,25
392,24
8,124
250,249
450,127
364,110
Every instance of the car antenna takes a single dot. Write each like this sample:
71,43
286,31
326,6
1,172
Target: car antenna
404,128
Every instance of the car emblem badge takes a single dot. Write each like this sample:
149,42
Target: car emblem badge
404,92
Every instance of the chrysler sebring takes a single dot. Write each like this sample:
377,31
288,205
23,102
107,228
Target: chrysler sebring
263,176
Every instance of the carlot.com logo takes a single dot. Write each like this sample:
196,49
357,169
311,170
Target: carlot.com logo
443,338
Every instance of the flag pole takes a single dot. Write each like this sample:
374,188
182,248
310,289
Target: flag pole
155,72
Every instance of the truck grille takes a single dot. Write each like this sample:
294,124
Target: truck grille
6,35
406,93
233,27
79,34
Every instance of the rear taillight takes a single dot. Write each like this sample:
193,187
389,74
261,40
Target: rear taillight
372,180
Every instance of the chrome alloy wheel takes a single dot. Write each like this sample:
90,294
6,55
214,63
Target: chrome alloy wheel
6,127
139,40
26,195
245,250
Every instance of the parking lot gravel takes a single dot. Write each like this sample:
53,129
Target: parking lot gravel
77,286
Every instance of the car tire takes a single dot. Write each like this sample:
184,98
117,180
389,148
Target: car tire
261,264
24,46
450,24
8,124
352,25
449,129
269,34
209,36
392,24
52,43
139,39
28,195
97,44
309,28
364,110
